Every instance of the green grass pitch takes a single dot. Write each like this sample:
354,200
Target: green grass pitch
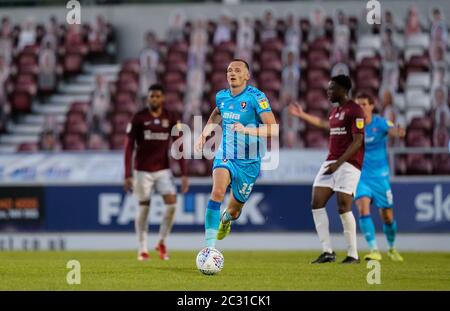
243,270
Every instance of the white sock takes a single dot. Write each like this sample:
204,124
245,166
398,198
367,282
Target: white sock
167,222
349,224
322,227
141,227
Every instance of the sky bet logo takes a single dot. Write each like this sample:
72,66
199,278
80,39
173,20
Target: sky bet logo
433,206
114,208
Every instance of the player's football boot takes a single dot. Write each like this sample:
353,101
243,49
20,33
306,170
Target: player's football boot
350,260
224,230
163,254
373,255
325,257
394,255
143,256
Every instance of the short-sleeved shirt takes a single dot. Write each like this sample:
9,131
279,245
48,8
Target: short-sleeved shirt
152,138
376,164
244,108
344,122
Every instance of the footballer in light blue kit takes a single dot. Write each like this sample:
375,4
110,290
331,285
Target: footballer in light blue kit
245,116
374,187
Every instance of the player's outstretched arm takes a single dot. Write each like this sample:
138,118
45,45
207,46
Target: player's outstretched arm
397,132
297,110
269,128
214,119
129,148
357,142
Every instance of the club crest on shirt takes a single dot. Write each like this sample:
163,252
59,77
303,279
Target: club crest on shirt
243,106
157,121
165,123
359,123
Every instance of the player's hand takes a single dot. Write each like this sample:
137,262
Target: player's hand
401,132
296,109
184,184
238,127
200,142
128,184
331,168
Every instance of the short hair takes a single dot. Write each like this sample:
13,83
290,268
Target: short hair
156,87
243,61
369,98
344,81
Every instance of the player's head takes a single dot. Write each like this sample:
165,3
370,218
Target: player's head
238,73
338,88
155,97
365,101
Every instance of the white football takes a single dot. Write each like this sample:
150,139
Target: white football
209,261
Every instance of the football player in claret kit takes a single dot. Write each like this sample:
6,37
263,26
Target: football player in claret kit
374,187
149,134
245,116
341,171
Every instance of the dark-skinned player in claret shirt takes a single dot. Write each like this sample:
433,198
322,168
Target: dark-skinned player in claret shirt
341,171
149,137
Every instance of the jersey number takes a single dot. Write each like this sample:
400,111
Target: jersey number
246,189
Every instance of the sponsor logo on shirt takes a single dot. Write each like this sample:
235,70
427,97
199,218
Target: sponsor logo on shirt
231,115
359,123
338,131
263,103
149,135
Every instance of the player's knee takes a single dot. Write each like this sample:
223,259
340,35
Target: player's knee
218,194
170,199
344,209
144,203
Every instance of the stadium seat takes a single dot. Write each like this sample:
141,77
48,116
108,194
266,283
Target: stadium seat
117,141
20,102
441,164
418,164
420,80
418,99
28,147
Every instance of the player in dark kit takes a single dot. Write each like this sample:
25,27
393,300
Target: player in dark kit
341,171
149,132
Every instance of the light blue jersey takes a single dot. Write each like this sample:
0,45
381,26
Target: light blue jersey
374,181
376,164
241,154
243,108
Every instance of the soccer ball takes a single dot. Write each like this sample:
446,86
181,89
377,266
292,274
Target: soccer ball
209,261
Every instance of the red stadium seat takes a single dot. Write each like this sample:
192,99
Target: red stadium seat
315,139
20,102
26,83
120,121
321,44
117,141
79,106
424,123
28,147
73,142
418,164
73,63
441,164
